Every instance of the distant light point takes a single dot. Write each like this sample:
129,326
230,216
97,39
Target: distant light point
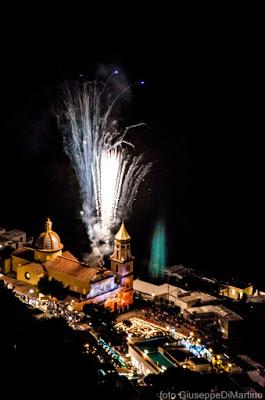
116,71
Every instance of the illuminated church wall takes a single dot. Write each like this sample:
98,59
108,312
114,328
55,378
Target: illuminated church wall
17,262
75,284
102,297
28,273
43,256
101,287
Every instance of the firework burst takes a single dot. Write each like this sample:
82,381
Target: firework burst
108,174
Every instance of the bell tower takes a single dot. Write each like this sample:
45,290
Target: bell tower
122,262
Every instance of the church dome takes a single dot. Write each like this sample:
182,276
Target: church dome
49,240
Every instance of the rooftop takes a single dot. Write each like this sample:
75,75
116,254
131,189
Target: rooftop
179,270
251,362
25,253
69,265
190,296
220,310
10,235
238,283
15,232
122,234
256,299
155,290
102,275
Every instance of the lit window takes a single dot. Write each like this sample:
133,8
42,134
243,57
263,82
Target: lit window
27,275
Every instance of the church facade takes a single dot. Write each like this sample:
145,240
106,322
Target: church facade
113,287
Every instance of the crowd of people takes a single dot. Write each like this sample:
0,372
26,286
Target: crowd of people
140,328
165,319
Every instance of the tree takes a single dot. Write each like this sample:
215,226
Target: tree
48,349
127,323
179,379
244,298
103,321
52,287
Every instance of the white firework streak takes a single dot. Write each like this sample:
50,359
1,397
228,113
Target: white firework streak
108,175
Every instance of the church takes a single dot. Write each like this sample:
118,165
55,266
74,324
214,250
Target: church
113,287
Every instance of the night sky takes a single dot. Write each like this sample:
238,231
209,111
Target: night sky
203,101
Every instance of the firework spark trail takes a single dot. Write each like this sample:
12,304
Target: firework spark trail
108,175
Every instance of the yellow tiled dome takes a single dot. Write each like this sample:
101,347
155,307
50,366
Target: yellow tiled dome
49,240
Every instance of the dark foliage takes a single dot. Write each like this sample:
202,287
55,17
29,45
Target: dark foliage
103,321
45,358
52,287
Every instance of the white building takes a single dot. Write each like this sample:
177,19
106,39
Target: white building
14,238
179,271
150,291
190,299
174,294
258,373
227,319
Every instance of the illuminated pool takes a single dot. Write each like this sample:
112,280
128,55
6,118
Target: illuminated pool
160,360
150,347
